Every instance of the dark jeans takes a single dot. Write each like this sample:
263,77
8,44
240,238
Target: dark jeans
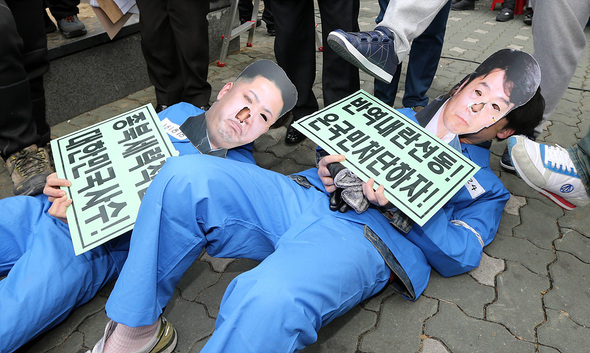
62,8
175,45
23,61
423,62
580,154
245,8
295,49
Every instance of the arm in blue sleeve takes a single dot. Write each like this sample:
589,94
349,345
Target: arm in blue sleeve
453,239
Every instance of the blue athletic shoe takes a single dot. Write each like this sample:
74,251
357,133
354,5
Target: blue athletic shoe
372,52
549,170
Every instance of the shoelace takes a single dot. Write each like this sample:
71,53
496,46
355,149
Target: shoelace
29,164
69,19
557,157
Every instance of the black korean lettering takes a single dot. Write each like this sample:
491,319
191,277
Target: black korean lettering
399,174
368,151
98,178
384,160
373,115
99,196
422,150
147,157
325,120
83,139
339,129
441,162
359,103
407,136
386,127
129,121
149,173
137,146
134,132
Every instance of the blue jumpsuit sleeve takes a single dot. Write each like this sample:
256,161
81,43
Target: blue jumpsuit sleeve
453,239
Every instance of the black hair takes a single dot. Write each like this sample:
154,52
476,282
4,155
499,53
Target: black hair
525,118
276,75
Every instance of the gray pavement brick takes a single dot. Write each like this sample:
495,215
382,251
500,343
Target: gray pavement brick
521,251
342,334
400,326
563,334
471,298
514,204
211,296
538,223
570,292
190,321
487,270
519,306
577,219
468,335
430,345
198,277
574,243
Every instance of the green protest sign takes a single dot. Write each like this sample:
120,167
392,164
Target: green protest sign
419,171
110,165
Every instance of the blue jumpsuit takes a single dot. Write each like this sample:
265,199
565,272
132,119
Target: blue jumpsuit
45,280
315,264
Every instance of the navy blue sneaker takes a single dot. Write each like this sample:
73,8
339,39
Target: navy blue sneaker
372,52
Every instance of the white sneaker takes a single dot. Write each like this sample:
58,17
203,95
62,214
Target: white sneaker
549,170
164,340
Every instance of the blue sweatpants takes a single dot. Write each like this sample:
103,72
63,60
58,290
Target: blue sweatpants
44,280
316,265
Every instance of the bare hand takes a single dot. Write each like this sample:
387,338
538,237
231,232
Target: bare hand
376,197
324,174
57,197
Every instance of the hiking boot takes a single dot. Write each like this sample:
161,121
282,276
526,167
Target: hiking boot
372,52
164,340
505,15
71,26
549,170
28,169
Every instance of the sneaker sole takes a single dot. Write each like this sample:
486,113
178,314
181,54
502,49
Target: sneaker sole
560,201
170,347
507,167
347,51
73,34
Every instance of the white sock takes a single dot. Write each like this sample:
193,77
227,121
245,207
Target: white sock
126,339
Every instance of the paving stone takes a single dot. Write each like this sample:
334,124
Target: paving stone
521,251
562,134
198,277
71,344
538,223
400,325
472,297
577,219
514,204
574,243
211,296
190,321
342,334
219,264
430,345
463,334
519,306
563,334
570,292
487,270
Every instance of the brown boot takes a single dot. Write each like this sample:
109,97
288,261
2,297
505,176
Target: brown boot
28,169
